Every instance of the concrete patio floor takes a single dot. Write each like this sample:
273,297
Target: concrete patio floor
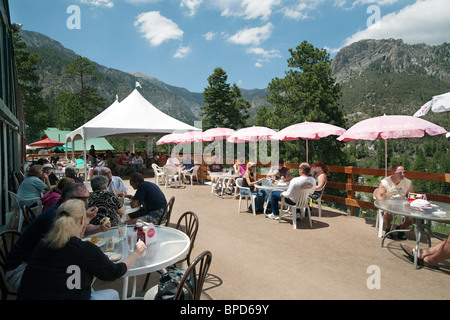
255,258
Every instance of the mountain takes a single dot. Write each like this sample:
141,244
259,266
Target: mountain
390,77
376,77
176,102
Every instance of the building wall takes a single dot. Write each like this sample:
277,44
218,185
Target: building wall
11,113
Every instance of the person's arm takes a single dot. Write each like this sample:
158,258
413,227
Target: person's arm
286,177
121,211
249,182
381,192
139,248
322,179
46,181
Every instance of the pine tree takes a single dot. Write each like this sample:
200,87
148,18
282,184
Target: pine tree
36,111
225,106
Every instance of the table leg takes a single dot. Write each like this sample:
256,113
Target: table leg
125,288
418,233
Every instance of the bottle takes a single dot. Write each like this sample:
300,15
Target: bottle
140,233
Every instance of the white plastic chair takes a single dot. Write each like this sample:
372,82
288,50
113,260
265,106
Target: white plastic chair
192,173
171,173
380,220
159,172
319,200
19,201
248,196
300,197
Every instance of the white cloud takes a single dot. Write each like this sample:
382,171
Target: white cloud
138,2
157,28
426,21
182,52
252,36
99,3
263,53
300,10
192,5
209,35
248,9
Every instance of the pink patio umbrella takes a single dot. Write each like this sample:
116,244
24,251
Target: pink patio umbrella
391,127
168,139
308,131
217,134
189,137
251,134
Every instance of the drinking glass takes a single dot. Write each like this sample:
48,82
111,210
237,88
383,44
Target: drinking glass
109,244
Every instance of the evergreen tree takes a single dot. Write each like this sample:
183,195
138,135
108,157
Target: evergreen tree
36,111
307,93
79,107
225,106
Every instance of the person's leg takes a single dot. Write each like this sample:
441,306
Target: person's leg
106,294
13,277
275,198
440,252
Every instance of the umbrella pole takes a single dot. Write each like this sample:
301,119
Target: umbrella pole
385,157
306,150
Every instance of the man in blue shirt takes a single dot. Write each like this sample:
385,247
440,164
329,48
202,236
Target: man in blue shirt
149,196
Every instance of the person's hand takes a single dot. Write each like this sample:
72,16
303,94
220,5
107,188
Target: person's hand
91,212
140,247
105,227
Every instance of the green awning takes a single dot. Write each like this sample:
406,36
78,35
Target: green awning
100,144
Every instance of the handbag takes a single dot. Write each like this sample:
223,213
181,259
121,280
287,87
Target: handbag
168,285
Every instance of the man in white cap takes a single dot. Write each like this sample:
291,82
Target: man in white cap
48,169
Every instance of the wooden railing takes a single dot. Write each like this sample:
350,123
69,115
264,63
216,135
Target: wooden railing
351,186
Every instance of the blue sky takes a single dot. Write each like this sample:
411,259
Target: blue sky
181,42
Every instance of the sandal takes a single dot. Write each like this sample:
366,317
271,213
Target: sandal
410,255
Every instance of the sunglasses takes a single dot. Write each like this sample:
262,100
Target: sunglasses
82,198
401,172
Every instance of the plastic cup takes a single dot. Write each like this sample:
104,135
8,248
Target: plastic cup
109,244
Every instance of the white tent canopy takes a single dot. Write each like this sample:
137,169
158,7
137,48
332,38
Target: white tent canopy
133,118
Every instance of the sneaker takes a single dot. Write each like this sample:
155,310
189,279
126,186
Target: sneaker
390,236
273,217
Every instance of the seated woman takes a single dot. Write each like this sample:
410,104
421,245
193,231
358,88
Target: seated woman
33,186
63,266
282,173
53,196
319,172
249,180
108,204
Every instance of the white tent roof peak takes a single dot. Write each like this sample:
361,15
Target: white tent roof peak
134,116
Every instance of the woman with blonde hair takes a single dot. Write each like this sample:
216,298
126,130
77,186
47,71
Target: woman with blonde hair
63,266
249,181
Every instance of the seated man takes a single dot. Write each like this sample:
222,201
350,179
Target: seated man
282,173
48,169
304,171
71,172
173,160
115,183
215,167
149,196
108,204
395,186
